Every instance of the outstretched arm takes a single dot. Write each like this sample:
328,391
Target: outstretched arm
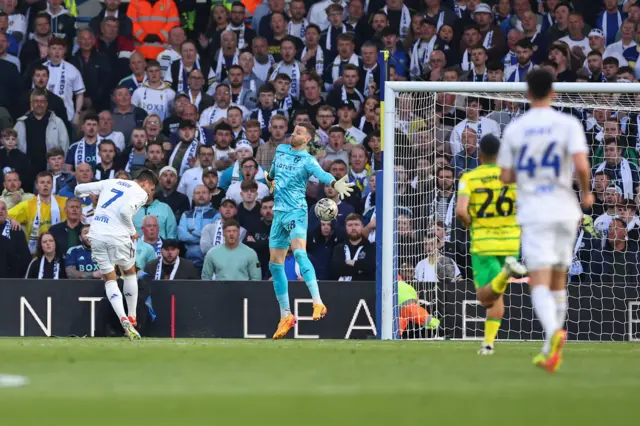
85,189
342,187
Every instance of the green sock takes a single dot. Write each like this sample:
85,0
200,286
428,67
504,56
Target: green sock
491,327
500,282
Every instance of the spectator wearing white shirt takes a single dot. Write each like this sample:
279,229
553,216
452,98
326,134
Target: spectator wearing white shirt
217,113
346,114
105,130
177,36
612,197
154,96
193,177
17,21
576,37
481,125
65,79
627,32
435,267
317,14
249,169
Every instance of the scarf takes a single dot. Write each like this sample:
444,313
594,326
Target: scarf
56,269
466,63
510,59
448,219
222,64
240,32
181,85
188,155
197,100
405,21
132,154
360,178
6,231
515,77
368,78
112,173
294,89
458,10
260,118
286,105
218,237
176,265
420,55
347,257
484,75
488,39
61,78
37,221
327,44
319,59
440,20
80,152
627,180
303,29
576,266
335,70
345,96
157,247
610,39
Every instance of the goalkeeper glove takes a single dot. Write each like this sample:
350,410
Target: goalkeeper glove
269,181
343,188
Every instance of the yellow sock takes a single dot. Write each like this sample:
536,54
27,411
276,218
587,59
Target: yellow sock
491,327
499,283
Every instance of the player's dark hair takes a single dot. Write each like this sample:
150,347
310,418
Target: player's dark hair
539,83
230,222
353,216
310,129
146,175
489,145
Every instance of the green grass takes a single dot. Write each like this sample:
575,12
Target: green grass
254,383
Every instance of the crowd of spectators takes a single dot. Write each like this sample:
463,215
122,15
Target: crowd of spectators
203,93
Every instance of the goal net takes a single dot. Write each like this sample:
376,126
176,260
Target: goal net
431,137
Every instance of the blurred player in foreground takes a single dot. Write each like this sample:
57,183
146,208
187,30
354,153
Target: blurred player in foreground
539,152
487,207
113,237
290,171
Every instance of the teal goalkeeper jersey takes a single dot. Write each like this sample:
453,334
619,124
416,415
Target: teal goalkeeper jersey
291,170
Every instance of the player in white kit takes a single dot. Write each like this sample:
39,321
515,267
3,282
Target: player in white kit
539,152
113,235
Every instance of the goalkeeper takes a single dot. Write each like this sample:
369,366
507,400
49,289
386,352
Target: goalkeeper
288,177
487,207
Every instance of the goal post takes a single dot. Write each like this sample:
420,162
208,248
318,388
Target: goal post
417,236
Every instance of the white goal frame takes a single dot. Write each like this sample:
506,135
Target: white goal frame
387,280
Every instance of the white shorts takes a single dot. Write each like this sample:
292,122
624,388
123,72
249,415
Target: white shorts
549,245
108,255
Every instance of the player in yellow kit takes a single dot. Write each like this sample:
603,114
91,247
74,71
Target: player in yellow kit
488,208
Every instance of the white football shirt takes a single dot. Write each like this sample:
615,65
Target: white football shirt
65,81
119,200
155,101
483,126
539,146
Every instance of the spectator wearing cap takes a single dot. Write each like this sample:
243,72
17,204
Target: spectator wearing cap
193,176
517,73
106,130
348,91
344,209
231,260
166,218
235,173
249,170
16,241
610,20
184,154
170,266
167,193
134,156
217,113
210,180
622,172
106,167
344,54
213,234
258,234
12,159
65,80
492,36
112,10
193,222
126,117
13,193
95,70
40,130
67,233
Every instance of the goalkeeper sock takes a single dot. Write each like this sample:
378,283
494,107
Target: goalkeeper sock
130,289
309,274
115,297
560,297
281,288
491,327
499,282
545,309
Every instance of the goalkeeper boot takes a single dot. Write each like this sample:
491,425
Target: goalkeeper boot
284,326
433,323
514,268
319,311
552,361
486,350
129,330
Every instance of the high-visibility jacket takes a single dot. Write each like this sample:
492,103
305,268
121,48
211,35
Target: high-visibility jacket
152,18
71,7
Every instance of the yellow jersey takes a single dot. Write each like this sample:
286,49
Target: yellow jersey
25,212
492,207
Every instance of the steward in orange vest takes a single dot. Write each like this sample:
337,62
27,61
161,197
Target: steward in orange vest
152,20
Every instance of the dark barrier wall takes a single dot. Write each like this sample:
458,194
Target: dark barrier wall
249,310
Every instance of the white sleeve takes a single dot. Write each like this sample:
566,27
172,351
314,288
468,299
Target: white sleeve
19,24
494,127
84,189
135,101
78,83
577,140
505,154
454,141
205,117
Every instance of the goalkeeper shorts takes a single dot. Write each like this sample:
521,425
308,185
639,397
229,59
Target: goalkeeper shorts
486,268
287,226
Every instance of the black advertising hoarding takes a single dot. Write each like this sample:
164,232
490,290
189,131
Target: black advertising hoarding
214,309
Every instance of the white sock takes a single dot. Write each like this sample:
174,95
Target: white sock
317,300
545,309
115,298
130,289
560,297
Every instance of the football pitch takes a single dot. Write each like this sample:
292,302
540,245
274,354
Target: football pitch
242,382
